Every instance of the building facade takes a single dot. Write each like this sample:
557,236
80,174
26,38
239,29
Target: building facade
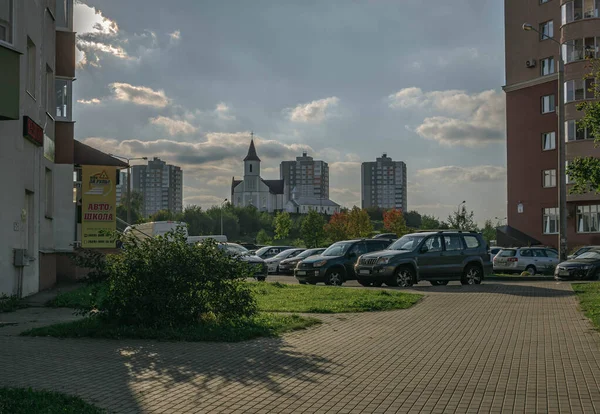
531,99
309,178
122,187
161,186
383,184
265,195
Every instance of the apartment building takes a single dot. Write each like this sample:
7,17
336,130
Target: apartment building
121,187
305,176
531,99
383,184
161,186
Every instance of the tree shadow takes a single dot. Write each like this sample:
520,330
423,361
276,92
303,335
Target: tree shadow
552,290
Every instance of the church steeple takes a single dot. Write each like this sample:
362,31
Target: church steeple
252,156
251,168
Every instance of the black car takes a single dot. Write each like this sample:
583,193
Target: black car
287,266
584,266
387,236
267,252
336,264
258,265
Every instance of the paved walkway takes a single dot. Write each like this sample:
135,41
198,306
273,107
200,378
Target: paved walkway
490,348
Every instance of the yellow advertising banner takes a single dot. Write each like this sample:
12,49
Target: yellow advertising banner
98,206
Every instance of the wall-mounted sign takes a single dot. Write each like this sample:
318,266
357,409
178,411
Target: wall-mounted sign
520,208
32,131
99,212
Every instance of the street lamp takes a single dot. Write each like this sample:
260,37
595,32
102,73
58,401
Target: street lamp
562,182
224,201
128,182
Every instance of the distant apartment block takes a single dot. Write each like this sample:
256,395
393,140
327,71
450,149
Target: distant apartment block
383,184
305,176
122,187
161,186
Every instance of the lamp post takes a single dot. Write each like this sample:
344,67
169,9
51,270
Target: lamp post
128,182
562,181
224,201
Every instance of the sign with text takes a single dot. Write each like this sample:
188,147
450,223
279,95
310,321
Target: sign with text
99,206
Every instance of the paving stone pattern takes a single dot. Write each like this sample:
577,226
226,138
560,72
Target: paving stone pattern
498,347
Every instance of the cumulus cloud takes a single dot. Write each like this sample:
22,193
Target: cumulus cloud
93,101
460,118
223,111
313,112
174,126
141,95
175,36
476,174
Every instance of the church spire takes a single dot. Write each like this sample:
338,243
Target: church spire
252,151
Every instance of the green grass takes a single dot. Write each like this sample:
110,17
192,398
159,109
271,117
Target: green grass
589,300
262,325
10,304
279,297
27,401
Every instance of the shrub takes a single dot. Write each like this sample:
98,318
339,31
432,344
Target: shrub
164,281
93,260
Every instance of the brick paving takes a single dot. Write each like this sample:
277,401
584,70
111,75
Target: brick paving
498,347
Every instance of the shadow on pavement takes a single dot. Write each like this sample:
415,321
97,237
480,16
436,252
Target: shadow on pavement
553,289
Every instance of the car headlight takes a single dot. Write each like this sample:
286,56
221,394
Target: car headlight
319,263
383,260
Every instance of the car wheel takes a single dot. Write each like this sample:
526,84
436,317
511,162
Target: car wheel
472,275
531,270
438,282
261,278
365,283
334,277
402,277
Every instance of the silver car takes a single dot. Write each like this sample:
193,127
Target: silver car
493,252
273,262
531,259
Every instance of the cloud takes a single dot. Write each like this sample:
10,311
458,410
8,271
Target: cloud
456,174
140,95
222,111
313,112
174,126
470,120
175,36
93,101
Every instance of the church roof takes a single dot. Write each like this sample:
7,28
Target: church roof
276,186
235,183
251,153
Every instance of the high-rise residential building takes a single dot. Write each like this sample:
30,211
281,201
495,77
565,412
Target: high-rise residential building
383,183
121,187
305,176
161,186
532,131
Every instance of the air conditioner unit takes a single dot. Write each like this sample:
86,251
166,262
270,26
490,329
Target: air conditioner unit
530,63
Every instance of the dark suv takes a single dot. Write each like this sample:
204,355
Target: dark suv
438,257
336,264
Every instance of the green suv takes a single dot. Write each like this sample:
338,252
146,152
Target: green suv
336,264
438,257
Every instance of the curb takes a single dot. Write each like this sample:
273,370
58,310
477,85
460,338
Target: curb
521,278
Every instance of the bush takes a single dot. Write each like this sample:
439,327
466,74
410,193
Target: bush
93,260
164,281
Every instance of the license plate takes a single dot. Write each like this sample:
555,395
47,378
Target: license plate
364,272
564,273
301,273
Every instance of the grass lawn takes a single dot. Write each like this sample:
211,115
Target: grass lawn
280,297
27,401
589,300
262,325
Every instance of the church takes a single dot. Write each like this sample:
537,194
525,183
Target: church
265,195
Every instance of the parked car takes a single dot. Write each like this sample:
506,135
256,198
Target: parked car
437,257
241,253
531,259
336,264
287,266
271,251
582,250
273,262
387,236
493,252
584,266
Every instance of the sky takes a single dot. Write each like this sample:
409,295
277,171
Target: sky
345,80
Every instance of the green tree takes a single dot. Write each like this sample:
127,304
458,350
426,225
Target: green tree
283,225
162,215
413,219
199,223
359,223
263,238
489,231
337,228
375,213
430,223
312,229
137,201
584,172
462,220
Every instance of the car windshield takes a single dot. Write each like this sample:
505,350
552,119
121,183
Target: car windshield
284,254
581,251
307,253
507,253
590,255
337,249
262,250
234,249
409,242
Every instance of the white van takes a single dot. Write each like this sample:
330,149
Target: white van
196,239
155,228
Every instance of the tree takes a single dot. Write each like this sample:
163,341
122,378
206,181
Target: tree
263,238
432,223
312,229
584,172
162,215
137,201
199,223
375,213
393,221
337,228
462,220
359,223
489,231
413,219
283,225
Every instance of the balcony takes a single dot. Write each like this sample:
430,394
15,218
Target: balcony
9,84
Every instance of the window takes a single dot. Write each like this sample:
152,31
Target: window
548,104
550,220
548,141
472,242
579,49
539,253
578,89
549,178
250,167
433,244
49,200
547,66
49,91
6,21
551,253
544,1
63,9
547,30
63,98
526,253
574,133
31,62
588,218
453,242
